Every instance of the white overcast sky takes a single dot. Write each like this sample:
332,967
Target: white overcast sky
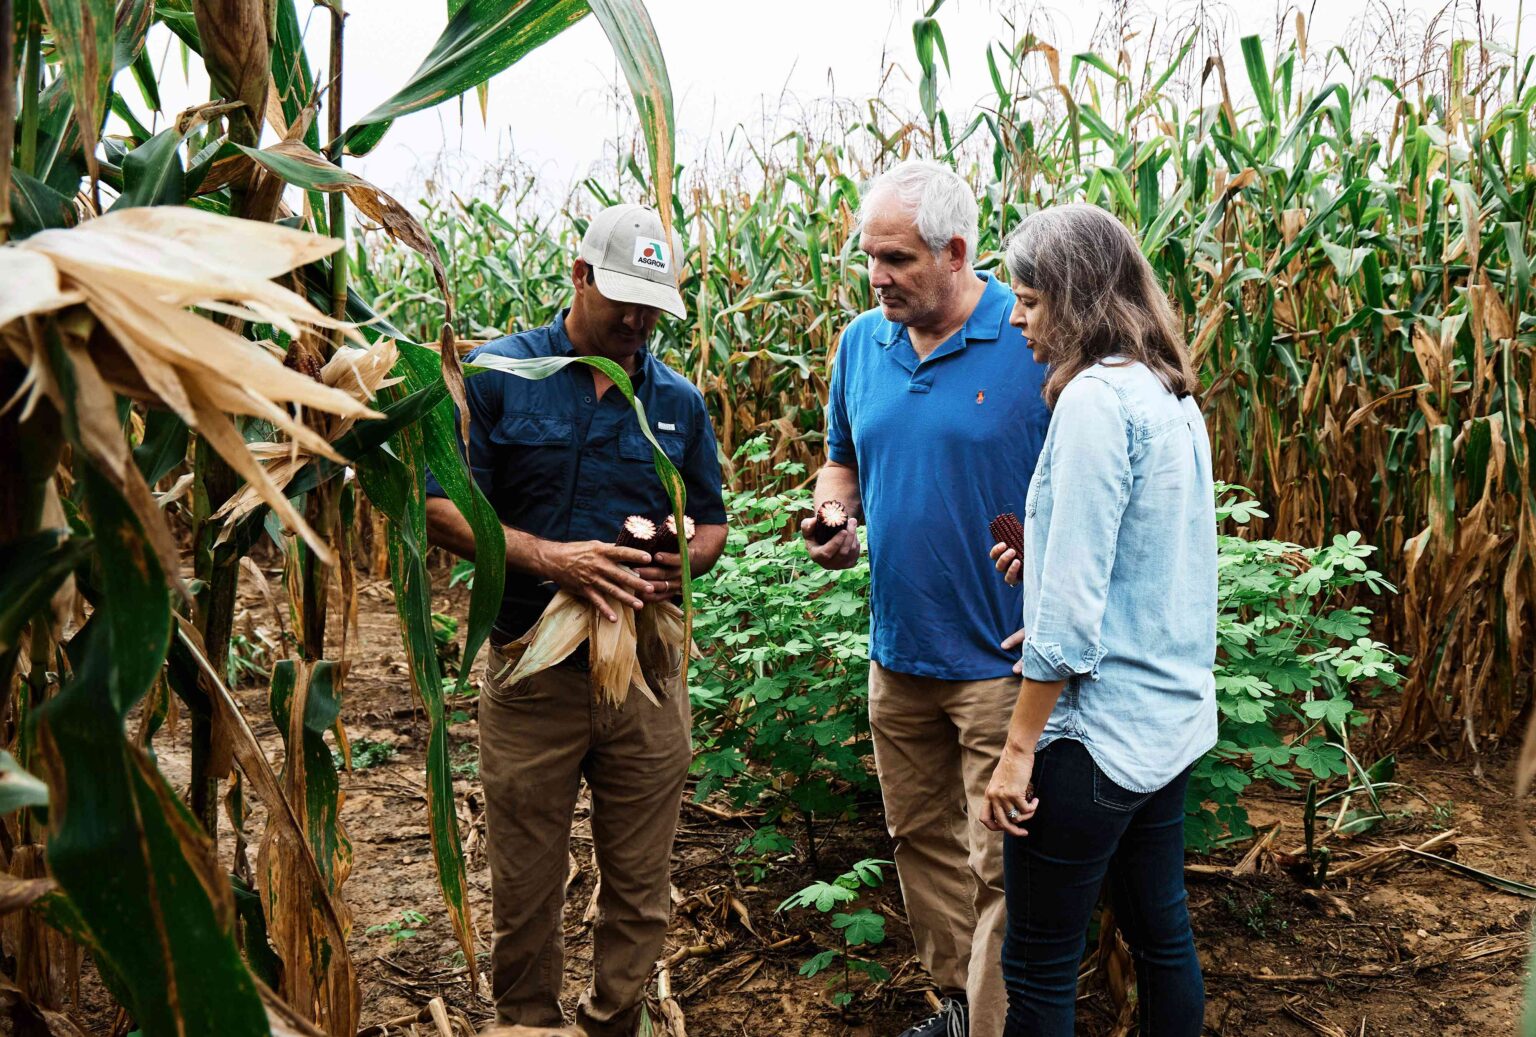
741,62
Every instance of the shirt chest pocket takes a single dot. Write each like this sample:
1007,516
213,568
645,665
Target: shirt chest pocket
519,429
633,446
531,449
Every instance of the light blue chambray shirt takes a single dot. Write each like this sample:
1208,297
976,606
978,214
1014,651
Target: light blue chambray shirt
1119,575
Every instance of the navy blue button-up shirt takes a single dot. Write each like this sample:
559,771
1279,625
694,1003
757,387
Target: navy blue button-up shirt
560,463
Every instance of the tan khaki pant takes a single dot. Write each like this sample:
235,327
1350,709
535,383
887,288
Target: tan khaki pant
936,744
538,739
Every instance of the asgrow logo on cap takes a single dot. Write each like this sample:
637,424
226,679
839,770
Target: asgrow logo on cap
651,254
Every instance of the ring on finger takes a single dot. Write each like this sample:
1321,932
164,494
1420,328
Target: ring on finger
1014,814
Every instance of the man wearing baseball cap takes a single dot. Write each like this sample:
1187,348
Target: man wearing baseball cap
564,463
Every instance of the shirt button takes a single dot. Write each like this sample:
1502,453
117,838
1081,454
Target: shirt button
586,399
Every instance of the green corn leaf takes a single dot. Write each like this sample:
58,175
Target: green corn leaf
136,606
633,39
1154,236
144,75
153,174
317,687
1442,485
291,74
1477,451
19,787
83,33
1093,60
1347,261
395,484
31,569
263,960
35,206
482,39
439,431
164,445
1310,228
161,915
1258,77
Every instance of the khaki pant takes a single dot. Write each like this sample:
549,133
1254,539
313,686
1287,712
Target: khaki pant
538,739
936,744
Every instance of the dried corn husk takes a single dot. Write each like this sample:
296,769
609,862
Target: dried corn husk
136,272
550,641
641,652
360,373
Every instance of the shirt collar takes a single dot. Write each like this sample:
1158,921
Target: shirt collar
563,346
985,323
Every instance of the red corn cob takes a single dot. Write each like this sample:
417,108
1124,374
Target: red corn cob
831,519
666,537
1009,530
637,532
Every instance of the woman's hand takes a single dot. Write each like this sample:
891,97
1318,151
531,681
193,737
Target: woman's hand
1008,563
1010,796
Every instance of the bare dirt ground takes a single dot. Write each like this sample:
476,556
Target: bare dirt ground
1405,948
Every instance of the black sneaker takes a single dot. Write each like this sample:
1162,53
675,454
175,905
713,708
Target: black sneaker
951,1020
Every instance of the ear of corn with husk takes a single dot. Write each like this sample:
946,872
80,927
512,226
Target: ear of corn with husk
640,652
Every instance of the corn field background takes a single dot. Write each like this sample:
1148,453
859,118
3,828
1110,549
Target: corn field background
1350,253
194,354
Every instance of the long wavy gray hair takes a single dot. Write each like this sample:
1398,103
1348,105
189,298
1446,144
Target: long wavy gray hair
1099,294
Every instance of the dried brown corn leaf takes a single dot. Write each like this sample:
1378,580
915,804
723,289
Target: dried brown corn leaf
360,373
136,271
640,652
31,285
561,628
612,654
659,649
187,257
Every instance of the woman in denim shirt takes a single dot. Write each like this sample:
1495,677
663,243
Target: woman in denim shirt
1119,636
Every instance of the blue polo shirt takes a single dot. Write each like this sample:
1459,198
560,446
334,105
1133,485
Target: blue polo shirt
557,461
941,447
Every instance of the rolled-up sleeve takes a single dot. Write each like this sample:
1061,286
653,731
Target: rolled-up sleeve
1090,467
839,434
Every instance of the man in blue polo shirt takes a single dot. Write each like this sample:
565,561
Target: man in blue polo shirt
564,463
934,422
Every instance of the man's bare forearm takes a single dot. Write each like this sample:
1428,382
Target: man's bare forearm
840,482
705,548
449,529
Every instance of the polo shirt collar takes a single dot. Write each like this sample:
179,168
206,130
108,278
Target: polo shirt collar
985,323
563,346
990,316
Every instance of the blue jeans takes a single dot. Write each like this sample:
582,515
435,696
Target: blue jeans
1088,830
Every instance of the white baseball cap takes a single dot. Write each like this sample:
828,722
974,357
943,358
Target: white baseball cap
633,259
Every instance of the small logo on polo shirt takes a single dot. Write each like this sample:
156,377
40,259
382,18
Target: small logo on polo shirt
981,396
651,254
666,426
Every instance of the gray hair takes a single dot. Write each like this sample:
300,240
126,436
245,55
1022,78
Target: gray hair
943,204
